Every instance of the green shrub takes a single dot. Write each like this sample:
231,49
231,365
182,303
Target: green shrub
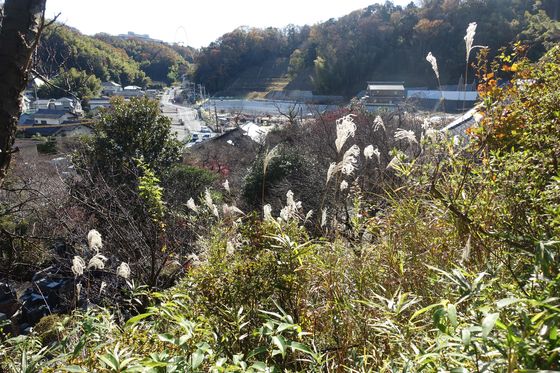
48,146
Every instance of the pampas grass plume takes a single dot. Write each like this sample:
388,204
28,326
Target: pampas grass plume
94,240
345,128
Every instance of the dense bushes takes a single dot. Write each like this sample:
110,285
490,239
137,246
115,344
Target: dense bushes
451,266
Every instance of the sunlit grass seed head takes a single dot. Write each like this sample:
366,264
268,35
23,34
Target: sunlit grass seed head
333,169
208,200
269,156
345,128
231,210
94,240
78,266
378,124
349,160
226,186
123,270
267,212
192,205
369,151
432,60
97,262
469,38
407,135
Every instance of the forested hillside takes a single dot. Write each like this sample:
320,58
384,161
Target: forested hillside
132,61
384,42
63,48
159,61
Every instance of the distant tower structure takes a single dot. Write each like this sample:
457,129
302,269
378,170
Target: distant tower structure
133,35
177,39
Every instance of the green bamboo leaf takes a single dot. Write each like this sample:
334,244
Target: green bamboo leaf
459,370
197,358
424,310
74,369
283,327
280,342
488,323
553,333
166,338
137,318
506,302
256,351
110,361
296,346
452,314
466,337
259,366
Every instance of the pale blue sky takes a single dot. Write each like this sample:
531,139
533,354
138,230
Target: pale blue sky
196,23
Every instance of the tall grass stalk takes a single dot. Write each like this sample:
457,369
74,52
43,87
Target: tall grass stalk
433,61
269,156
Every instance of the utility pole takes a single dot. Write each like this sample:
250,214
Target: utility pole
216,117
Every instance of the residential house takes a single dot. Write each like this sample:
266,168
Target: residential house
99,102
110,88
385,93
131,91
53,117
71,105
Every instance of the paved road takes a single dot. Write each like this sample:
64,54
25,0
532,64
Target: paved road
177,113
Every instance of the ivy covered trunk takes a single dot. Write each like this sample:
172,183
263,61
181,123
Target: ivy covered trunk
21,24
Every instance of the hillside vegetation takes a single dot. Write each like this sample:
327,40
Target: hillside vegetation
380,42
159,61
128,62
62,48
423,253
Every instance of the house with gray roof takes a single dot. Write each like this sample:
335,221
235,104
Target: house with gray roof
53,117
110,88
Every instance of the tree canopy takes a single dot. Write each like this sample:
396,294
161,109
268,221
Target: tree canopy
77,82
382,42
159,61
132,130
63,48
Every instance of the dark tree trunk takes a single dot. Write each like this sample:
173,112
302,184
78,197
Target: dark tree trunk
20,28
